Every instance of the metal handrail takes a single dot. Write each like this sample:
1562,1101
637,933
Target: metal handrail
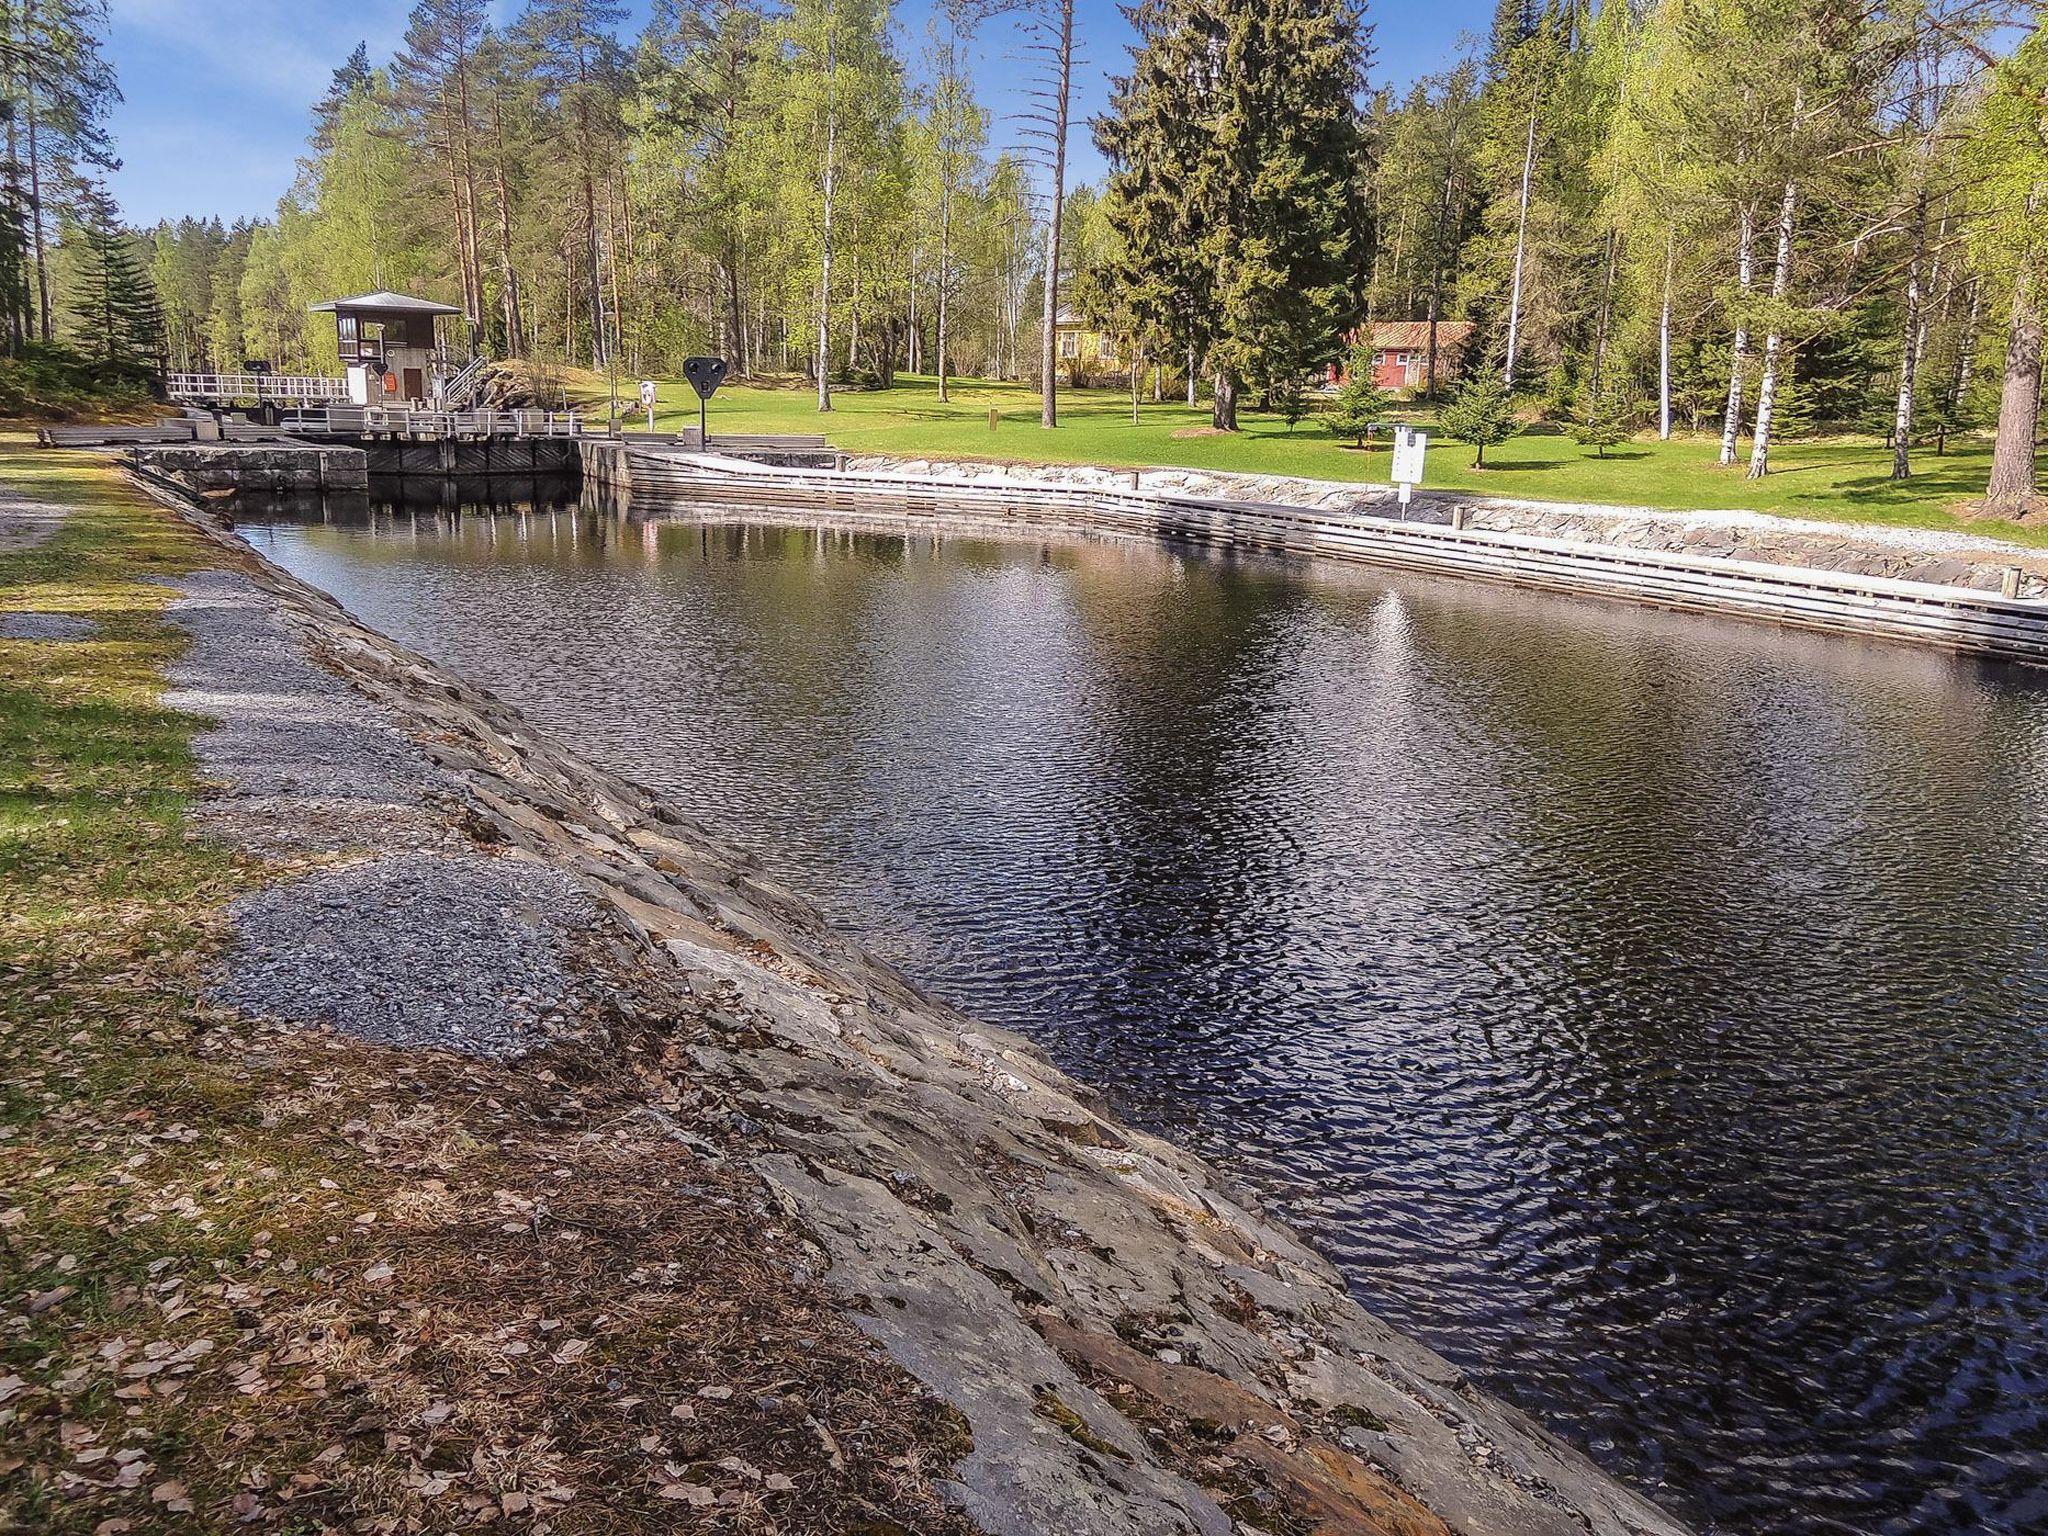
457,392
405,421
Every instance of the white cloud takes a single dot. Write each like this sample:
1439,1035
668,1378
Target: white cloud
283,50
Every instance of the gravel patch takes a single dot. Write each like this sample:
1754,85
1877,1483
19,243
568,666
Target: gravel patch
25,523
446,951
307,763
29,625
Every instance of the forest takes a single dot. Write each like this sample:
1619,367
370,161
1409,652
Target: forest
1757,220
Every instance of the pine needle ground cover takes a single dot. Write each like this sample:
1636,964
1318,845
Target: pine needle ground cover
260,1278
1846,479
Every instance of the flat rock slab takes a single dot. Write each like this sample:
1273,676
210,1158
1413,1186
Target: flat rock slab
46,626
461,952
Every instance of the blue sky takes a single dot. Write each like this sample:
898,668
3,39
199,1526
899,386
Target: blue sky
218,96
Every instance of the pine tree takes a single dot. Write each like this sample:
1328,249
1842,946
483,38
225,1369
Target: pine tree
1237,150
1481,413
117,319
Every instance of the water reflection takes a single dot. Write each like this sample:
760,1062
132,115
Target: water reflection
1649,1010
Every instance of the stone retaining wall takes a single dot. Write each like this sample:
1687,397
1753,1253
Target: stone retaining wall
1907,554
269,467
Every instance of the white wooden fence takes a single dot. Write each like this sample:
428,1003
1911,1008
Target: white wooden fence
263,388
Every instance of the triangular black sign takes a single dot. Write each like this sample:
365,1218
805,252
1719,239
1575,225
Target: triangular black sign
705,375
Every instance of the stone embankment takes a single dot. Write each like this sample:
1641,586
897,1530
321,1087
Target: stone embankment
274,467
1904,554
1136,1348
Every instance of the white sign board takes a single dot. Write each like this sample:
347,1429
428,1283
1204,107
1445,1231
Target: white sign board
1409,446
647,393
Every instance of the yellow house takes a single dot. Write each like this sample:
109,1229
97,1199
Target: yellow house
1080,348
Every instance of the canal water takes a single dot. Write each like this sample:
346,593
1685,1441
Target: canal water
1650,1011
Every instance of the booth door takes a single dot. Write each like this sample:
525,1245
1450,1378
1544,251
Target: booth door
415,384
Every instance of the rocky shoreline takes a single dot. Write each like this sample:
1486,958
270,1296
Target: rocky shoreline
1133,1345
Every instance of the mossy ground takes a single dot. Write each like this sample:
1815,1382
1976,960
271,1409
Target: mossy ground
256,1277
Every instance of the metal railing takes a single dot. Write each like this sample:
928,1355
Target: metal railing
205,388
455,393
404,421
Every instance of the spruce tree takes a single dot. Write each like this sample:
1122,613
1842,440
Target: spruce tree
117,319
1606,421
1239,156
1481,413
1360,401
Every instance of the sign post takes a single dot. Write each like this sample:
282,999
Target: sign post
647,393
1409,447
705,375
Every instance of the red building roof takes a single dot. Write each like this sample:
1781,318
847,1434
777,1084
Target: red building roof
1413,335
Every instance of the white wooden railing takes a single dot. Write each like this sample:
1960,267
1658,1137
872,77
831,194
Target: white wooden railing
205,388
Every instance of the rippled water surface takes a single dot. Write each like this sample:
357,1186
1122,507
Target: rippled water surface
1651,1011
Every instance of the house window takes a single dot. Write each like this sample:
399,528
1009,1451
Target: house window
1070,344
351,345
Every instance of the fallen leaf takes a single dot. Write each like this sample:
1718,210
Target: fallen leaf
172,1496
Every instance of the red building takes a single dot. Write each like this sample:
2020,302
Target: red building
1400,353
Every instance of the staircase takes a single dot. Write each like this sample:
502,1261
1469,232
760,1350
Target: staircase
456,393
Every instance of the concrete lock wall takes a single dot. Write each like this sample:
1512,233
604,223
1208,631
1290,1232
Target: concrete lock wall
1901,554
272,467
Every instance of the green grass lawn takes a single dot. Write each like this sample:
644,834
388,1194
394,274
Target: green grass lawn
1839,478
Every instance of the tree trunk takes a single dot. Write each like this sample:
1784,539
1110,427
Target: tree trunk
1913,331
1605,317
1521,244
1664,341
945,268
830,189
515,333
1436,267
1062,97
1191,375
1745,268
1767,388
1966,361
2012,485
36,238
1223,410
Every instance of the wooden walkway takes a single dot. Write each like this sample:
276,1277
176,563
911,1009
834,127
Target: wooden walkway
1961,619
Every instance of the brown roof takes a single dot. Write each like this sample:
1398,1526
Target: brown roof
1413,335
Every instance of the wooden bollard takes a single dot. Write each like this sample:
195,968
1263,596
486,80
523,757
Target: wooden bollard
2009,582
995,418
1457,519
